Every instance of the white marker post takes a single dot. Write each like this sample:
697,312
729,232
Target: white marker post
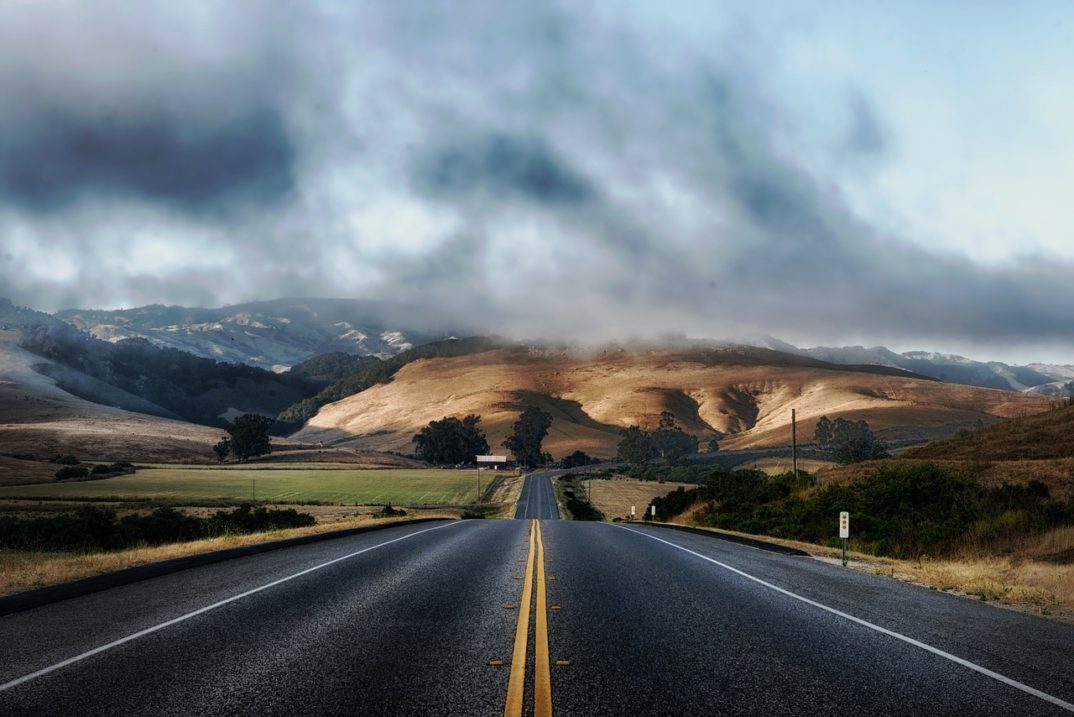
654,511
632,513
844,533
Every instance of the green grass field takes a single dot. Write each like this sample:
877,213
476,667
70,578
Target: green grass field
335,486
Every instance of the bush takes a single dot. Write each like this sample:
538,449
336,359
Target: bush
389,512
99,529
68,472
101,469
900,511
66,460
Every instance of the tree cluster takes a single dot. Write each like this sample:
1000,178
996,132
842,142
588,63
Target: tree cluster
848,441
450,441
668,441
247,437
527,435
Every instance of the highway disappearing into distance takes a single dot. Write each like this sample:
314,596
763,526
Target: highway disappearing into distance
530,616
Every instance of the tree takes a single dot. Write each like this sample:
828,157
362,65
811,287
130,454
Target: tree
450,441
822,434
714,446
222,448
848,441
671,442
578,459
527,434
635,447
249,436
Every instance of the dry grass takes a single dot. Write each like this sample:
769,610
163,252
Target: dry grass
712,394
778,465
614,497
506,495
21,571
1031,582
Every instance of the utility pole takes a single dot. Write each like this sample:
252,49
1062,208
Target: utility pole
794,443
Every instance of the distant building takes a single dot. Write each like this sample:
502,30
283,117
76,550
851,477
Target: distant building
496,463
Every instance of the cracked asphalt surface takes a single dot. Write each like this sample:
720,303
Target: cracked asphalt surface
407,619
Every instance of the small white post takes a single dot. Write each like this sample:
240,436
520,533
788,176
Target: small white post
654,511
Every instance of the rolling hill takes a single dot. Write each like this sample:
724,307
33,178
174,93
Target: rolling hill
1044,379
743,397
39,418
1048,435
269,334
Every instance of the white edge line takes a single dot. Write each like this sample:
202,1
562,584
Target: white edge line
149,630
865,623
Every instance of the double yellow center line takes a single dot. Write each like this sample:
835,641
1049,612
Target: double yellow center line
542,678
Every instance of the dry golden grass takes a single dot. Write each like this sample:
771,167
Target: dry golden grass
614,497
21,571
1030,582
774,465
506,495
712,393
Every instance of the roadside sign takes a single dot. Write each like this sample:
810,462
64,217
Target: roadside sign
844,524
654,511
632,514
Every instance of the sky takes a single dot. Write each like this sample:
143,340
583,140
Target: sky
826,172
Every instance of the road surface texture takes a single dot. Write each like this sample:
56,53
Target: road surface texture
538,499
530,617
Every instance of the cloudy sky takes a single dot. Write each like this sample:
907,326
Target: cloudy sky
832,172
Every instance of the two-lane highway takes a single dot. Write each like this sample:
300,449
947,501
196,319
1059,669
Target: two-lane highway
530,617
538,498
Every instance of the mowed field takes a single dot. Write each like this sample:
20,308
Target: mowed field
209,483
614,497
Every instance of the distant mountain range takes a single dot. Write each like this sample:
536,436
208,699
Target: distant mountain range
282,333
270,334
1039,378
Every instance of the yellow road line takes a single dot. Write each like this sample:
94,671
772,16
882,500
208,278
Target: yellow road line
517,684
542,679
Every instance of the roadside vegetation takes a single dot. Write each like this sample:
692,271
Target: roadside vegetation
575,499
901,511
91,528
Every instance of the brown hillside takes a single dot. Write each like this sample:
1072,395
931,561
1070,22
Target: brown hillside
742,398
1037,437
39,418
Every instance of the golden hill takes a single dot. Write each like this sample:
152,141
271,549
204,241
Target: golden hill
741,397
1048,435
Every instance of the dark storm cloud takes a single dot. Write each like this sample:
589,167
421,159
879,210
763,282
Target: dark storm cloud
499,166
193,162
566,175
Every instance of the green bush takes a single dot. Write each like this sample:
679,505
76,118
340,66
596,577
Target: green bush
66,460
89,529
101,469
900,511
69,472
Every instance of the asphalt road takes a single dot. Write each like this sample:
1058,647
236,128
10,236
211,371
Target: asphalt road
538,499
651,621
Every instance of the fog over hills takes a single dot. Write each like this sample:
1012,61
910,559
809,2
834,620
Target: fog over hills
283,332
1041,378
270,334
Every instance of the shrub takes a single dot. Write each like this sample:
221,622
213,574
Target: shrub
389,512
66,460
68,472
101,469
